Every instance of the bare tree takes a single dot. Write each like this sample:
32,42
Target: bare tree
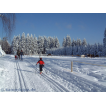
5,45
8,21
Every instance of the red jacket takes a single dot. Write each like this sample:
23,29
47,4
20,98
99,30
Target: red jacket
41,62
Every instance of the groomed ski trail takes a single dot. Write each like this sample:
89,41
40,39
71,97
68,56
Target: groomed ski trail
20,82
31,83
24,76
80,84
51,82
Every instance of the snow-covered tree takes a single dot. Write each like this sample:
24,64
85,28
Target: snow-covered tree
40,45
104,43
104,39
78,42
46,44
57,43
95,49
22,42
31,44
48,39
35,45
84,42
79,50
68,41
73,43
5,44
85,50
82,49
88,48
103,50
67,51
27,42
17,42
64,42
51,42
100,47
92,50
63,51
14,49
74,50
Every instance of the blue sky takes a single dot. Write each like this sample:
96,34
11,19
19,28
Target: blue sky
90,26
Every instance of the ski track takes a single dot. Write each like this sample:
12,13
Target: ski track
16,80
21,79
68,82
81,83
36,81
55,85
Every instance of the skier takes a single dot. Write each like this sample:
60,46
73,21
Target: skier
15,57
21,53
41,65
15,54
18,53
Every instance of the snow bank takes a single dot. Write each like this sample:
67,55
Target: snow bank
1,52
2,76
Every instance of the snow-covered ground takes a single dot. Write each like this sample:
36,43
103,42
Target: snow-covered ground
23,75
1,52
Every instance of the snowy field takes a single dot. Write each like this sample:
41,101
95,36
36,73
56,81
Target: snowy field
23,75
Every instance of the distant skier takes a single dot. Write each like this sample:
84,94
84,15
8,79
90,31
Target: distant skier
41,65
18,53
16,57
21,53
15,54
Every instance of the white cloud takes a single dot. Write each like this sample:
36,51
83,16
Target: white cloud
69,26
58,25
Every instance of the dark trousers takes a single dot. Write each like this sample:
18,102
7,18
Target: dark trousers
19,56
40,67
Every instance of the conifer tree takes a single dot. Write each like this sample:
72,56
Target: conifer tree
64,42
57,43
84,42
35,45
73,43
68,41
104,43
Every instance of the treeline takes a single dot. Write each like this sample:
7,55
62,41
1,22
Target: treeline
32,45
50,45
79,48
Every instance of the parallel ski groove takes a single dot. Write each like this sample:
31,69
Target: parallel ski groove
20,76
51,81
92,86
